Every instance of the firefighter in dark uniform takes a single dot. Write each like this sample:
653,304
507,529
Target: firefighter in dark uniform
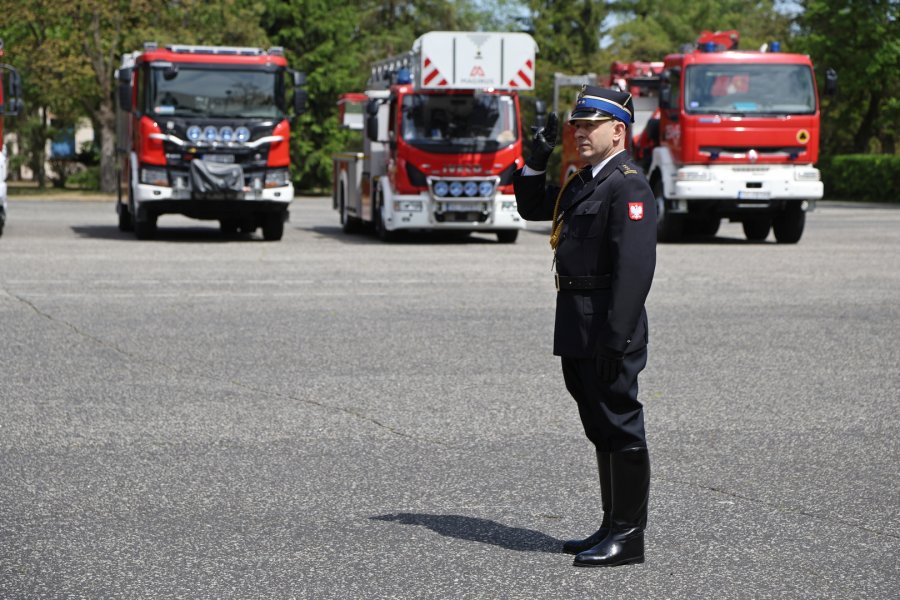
604,241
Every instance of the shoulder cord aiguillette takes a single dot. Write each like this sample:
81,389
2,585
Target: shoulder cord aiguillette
556,229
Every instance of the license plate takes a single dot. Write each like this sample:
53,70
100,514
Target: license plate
742,195
459,207
219,158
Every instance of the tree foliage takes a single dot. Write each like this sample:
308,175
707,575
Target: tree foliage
67,53
860,39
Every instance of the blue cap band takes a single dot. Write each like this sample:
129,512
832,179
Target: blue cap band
607,106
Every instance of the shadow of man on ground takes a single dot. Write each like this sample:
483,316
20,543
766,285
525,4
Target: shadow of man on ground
485,531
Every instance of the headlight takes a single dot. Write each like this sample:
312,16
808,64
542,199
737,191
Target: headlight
226,134
485,189
154,176
193,133
242,134
441,188
408,205
210,134
807,175
277,178
456,188
470,188
686,175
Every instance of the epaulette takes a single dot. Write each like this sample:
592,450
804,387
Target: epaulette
627,169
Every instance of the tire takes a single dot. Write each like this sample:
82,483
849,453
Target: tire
348,224
788,224
273,227
145,229
125,221
381,231
708,226
669,227
229,226
757,228
508,236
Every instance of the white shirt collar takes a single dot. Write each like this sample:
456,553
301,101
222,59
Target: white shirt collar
596,168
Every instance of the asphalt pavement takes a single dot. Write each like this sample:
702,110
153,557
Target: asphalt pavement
328,416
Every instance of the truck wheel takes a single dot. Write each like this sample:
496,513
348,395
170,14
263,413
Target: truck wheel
669,227
145,229
757,228
229,226
788,224
709,226
273,227
348,224
508,236
125,221
381,231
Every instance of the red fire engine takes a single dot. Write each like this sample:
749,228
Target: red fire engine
442,139
10,105
203,131
736,136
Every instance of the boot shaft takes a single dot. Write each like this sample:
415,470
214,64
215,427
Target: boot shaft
630,478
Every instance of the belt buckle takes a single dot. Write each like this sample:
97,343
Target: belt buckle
556,280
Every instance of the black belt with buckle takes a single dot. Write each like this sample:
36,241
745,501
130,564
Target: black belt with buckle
582,282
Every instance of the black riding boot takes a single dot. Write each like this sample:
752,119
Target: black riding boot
630,476
576,546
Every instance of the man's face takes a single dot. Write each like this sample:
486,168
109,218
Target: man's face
597,140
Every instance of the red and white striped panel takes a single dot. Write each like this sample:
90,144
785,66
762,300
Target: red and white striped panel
525,76
430,72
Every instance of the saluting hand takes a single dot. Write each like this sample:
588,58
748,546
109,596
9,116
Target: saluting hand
543,143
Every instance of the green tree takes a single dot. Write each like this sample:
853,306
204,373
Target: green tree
69,52
568,34
335,44
317,36
860,39
34,46
650,29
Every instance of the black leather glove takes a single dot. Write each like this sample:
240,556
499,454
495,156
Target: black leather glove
543,143
609,364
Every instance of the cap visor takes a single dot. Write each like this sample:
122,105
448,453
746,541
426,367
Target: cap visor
589,115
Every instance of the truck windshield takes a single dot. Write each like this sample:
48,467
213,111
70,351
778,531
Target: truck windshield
459,122
195,91
750,89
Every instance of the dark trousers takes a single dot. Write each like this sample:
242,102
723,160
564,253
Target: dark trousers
612,417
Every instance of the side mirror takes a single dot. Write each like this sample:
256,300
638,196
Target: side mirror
124,97
170,72
15,85
299,78
372,127
123,76
12,103
831,79
665,93
300,98
372,108
540,113
665,96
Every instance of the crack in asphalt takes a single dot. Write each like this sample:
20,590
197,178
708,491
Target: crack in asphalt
210,377
388,428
